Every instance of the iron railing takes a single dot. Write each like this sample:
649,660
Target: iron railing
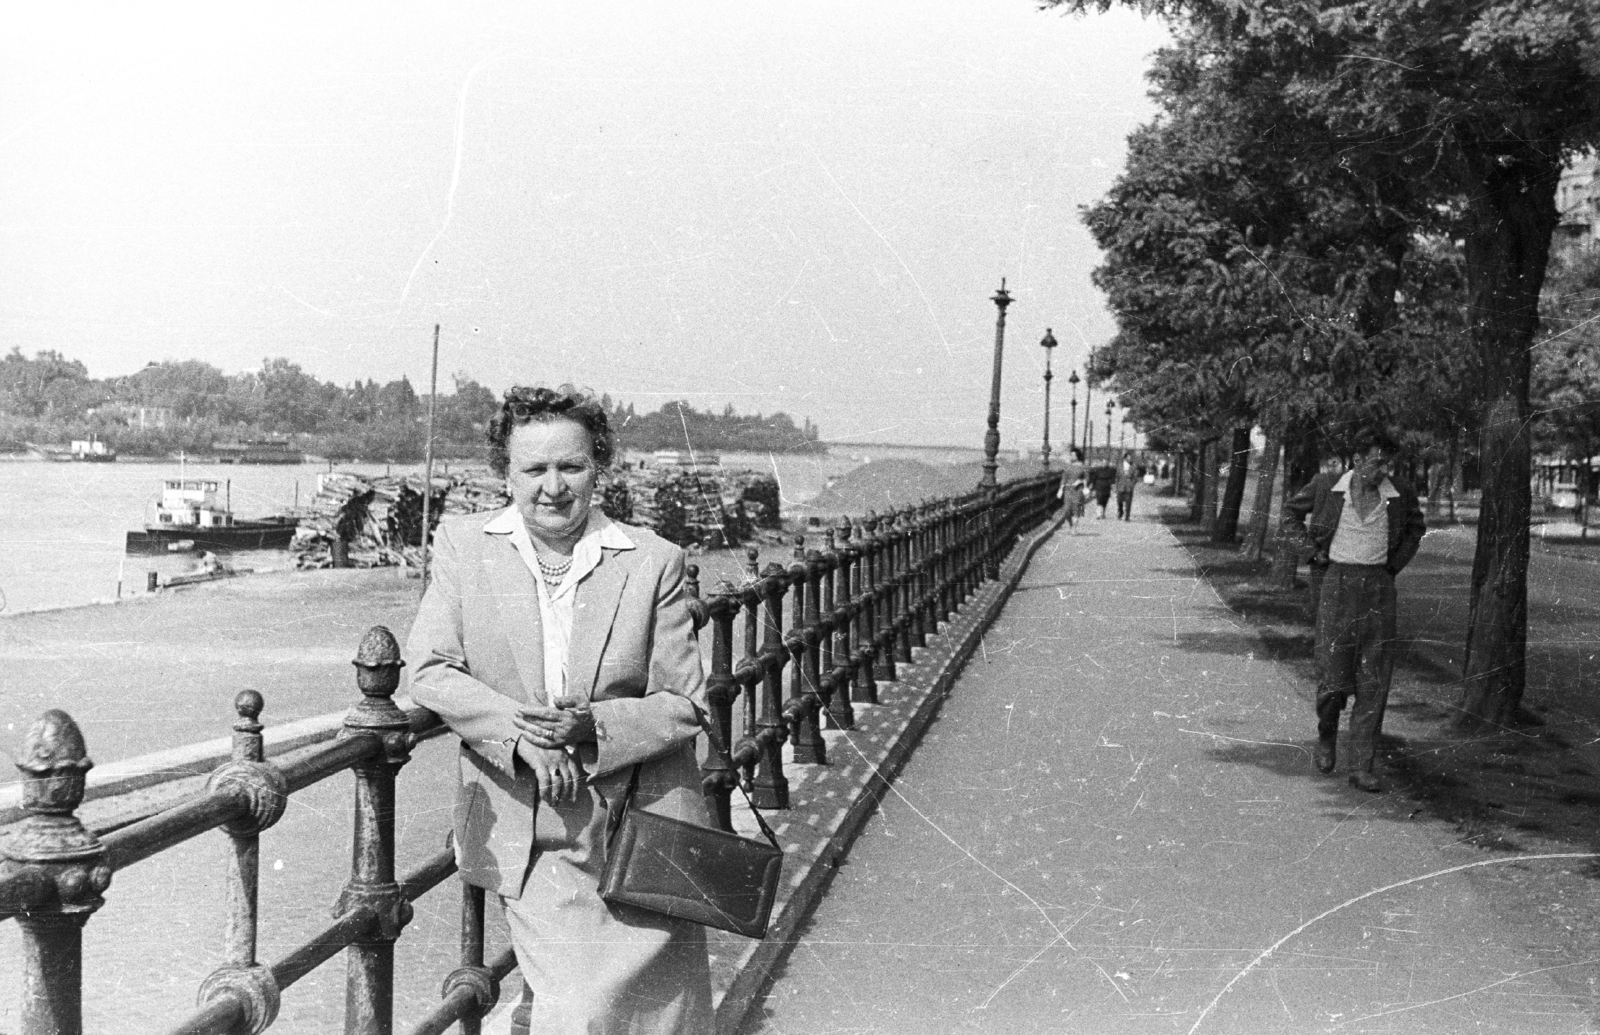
856,608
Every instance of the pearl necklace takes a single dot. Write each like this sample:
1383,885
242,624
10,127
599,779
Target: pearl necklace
553,573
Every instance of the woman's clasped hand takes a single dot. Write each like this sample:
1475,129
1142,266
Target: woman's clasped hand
547,733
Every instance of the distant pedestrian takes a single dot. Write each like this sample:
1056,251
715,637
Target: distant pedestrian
1071,492
1100,481
1127,478
1365,526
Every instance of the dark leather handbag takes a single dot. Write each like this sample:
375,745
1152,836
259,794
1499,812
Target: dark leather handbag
692,872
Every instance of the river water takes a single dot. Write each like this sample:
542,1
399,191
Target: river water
63,526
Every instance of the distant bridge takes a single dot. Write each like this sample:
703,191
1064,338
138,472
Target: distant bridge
978,449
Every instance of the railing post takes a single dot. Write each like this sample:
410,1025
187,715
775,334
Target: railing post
472,974
866,688
884,594
717,780
52,872
840,668
809,747
750,674
771,790
904,585
241,979
369,974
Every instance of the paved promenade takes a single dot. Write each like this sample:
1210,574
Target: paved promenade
1111,825
1114,826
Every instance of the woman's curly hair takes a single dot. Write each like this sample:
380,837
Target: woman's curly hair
539,404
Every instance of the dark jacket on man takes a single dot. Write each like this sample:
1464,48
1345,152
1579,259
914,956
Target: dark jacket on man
1324,506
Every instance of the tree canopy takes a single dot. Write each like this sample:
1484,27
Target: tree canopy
1400,124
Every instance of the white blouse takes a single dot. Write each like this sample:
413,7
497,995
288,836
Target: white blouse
556,606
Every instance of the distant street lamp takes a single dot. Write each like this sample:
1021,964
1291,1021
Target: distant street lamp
1048,343
991,437
1073,433
1088,410
1109,404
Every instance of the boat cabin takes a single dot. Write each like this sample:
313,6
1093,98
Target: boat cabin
192,501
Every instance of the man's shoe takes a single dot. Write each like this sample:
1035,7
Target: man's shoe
1325,757
1365,781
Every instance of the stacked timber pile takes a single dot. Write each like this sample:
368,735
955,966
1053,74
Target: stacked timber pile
682,505
379,519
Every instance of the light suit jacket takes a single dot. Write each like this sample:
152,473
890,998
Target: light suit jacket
476,654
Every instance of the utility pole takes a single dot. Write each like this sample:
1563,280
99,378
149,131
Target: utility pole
427,462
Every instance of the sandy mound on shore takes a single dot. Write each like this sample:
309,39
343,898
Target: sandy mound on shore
895,482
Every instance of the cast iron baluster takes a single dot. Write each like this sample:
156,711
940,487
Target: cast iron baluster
819,628
866,688
472,976
369,974
241,979
805,697
721,689
749,673
826,563
842,713
904,585
916,601
52,872
771,789
883,595
927,595
946,562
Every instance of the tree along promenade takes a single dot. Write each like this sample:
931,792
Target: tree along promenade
878,623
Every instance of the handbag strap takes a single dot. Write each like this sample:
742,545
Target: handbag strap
722,753
727,759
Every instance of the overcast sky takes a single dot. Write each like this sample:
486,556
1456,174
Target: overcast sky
800,207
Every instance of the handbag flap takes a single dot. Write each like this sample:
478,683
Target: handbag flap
692,872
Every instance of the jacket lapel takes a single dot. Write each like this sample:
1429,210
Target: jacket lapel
518,611
594,607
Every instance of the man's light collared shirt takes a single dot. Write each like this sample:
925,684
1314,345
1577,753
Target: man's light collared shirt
1358,540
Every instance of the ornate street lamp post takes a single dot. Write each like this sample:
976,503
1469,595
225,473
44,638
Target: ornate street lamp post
1048,343
1109,405
1073,433
991,438
1088,412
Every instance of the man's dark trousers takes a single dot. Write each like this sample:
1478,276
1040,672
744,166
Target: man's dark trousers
1125,506
1355,646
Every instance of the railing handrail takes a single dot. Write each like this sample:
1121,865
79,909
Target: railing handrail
856,609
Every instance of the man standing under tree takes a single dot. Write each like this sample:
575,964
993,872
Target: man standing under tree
1127,478
1365,525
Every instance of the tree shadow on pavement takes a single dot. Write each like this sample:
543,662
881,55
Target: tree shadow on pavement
1515,789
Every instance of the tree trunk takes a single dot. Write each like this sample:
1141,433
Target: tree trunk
1197,507
1512,215
1255,540
1299,467
1226,526
1213,478
1454,473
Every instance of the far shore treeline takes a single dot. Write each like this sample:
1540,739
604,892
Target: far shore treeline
188,405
